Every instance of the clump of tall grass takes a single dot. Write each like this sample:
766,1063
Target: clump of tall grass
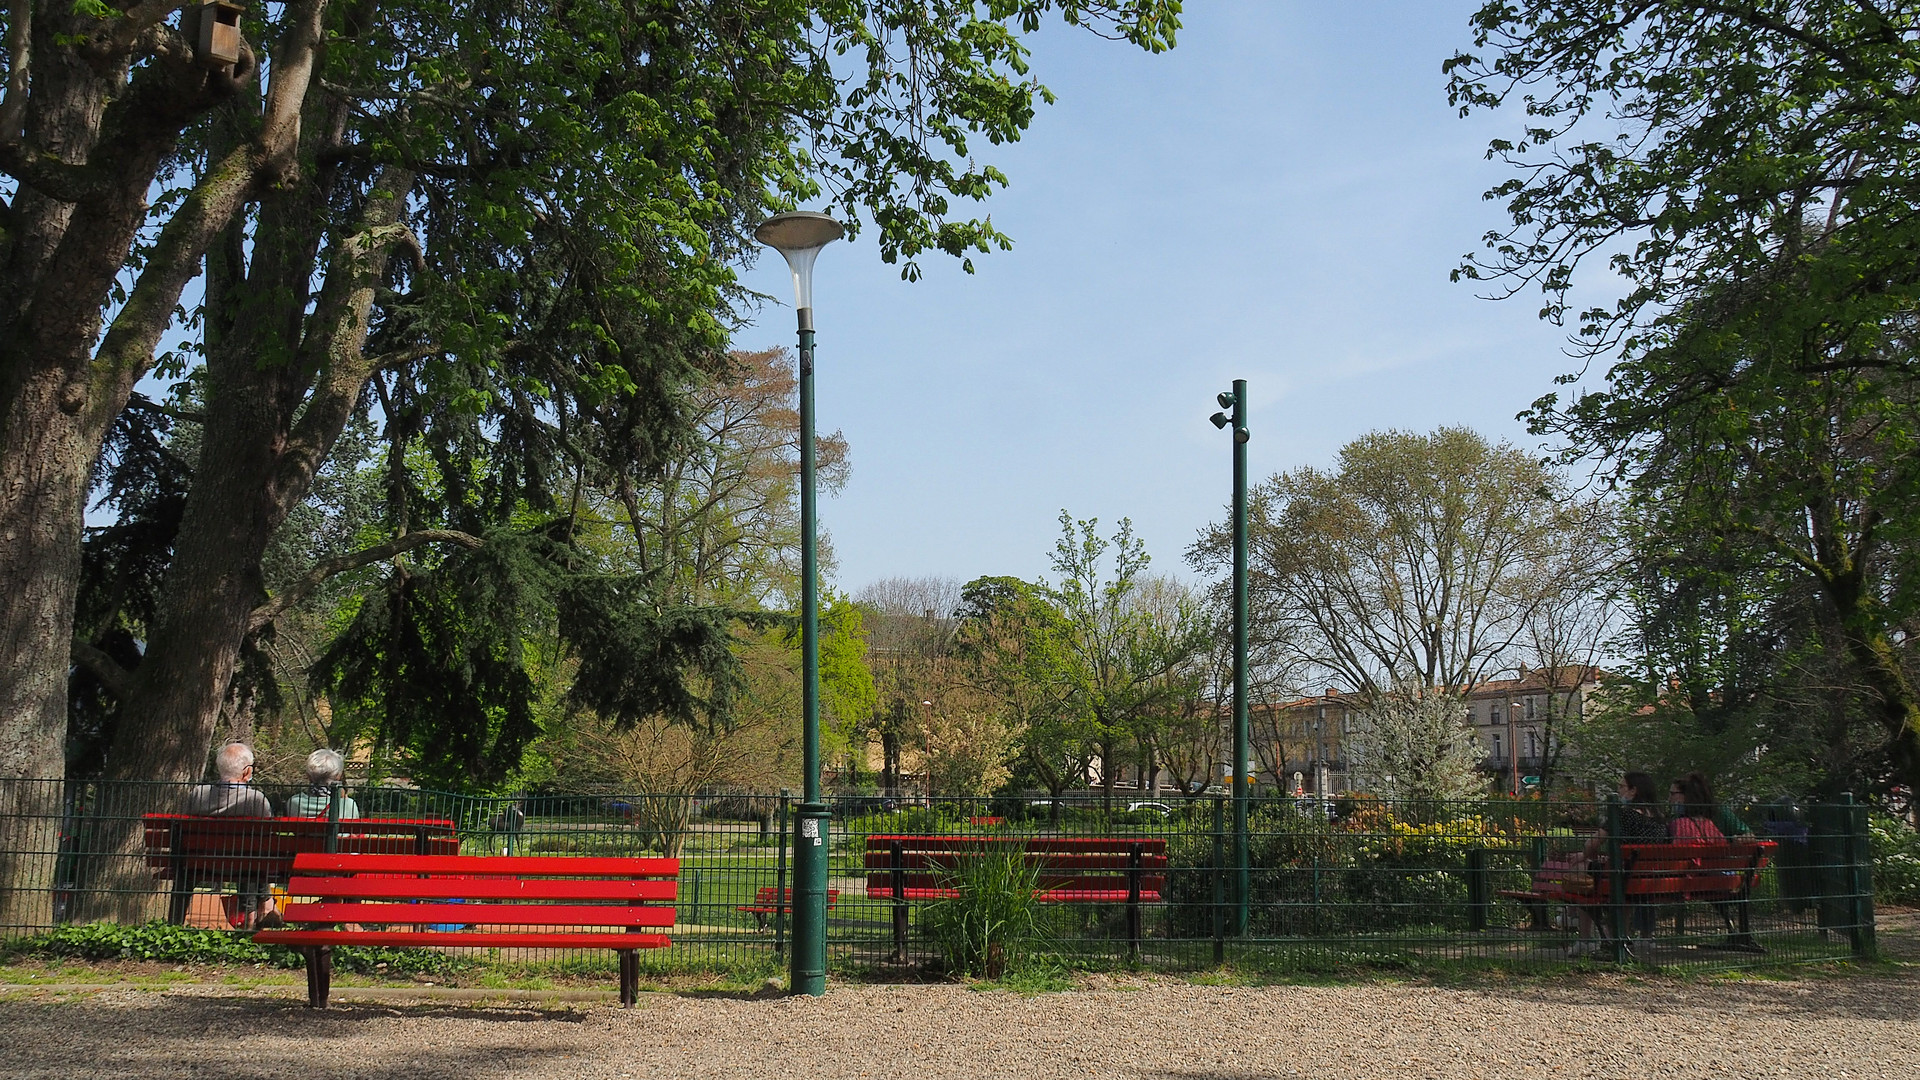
993,924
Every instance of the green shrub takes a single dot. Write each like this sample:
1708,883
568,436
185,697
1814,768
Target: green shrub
1896,859
994,925
908,821
167,943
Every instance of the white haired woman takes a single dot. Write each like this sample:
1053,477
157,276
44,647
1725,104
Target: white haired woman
324,769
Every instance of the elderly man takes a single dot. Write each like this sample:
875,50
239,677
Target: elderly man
324,770
233,796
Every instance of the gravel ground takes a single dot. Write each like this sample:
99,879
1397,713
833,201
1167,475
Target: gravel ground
1608,1026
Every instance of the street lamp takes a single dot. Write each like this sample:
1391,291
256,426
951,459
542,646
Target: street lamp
798,237
1236,399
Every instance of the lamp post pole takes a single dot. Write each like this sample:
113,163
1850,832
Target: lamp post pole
1236,399
799,237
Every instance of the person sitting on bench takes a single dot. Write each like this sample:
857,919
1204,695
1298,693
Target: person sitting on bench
324,769
1691,798
1639,824
233,795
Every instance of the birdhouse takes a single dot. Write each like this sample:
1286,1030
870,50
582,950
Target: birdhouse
213,28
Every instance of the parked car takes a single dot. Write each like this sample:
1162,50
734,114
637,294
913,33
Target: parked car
1157,807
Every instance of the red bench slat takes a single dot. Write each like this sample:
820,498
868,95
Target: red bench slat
464,938
947,860
1065,844
518,865
763,900
501,914
1052,896
480,888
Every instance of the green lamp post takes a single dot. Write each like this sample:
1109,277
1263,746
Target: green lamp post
1236,399
799,236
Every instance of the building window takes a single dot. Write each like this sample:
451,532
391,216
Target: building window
1493,714
1533,746
1530,706
1496,744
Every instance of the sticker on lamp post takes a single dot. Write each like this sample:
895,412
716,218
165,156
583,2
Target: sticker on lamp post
810,830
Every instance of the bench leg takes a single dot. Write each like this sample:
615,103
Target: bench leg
319,974
180,899
629,977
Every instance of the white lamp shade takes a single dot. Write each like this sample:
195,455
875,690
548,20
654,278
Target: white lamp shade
799,236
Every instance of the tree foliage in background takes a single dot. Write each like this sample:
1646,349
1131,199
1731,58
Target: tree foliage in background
1125,662
1417,559
1012,643
1748,170
1414,742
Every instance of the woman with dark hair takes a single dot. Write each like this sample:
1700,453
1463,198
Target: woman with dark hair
1691,798
1639,824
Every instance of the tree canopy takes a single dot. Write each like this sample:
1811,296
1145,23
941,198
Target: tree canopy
504,236
1748,170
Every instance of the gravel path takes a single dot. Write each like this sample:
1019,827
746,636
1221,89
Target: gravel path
1609,1027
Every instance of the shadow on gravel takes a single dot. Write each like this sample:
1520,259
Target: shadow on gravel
1836,996
168,1037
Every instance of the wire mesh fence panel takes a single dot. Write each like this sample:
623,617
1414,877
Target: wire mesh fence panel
1356,881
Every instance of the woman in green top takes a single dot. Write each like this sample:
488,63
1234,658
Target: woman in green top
324,769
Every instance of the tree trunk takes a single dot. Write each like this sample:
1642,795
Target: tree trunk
44,458
268,429
67,239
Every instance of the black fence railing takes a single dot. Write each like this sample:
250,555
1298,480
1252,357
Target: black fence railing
1515,883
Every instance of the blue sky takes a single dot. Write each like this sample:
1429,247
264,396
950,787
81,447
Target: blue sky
1278,199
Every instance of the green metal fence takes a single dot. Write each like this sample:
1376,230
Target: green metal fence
1344,882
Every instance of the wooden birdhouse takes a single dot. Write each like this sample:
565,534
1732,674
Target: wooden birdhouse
213,28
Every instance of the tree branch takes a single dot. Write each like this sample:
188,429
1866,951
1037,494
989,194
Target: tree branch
13,109
314,578
117,680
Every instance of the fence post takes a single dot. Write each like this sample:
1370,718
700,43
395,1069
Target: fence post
1219,882
333,818
780,883
1476,889
1616,883
1134,924
897,861
1859,857
1537,913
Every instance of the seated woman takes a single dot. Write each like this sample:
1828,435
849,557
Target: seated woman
1639,824
324,769
1691,799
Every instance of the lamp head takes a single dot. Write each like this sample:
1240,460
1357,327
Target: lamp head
798,236
1220,420
1225,398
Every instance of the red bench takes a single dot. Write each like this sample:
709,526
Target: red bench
764,904
1070,870
1667,874
1067,870
194,851
531,902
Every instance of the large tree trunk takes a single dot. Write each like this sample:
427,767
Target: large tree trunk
268,428
45,454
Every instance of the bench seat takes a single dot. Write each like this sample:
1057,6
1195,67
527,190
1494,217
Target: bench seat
476,901
193,851
764,904
1666,874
